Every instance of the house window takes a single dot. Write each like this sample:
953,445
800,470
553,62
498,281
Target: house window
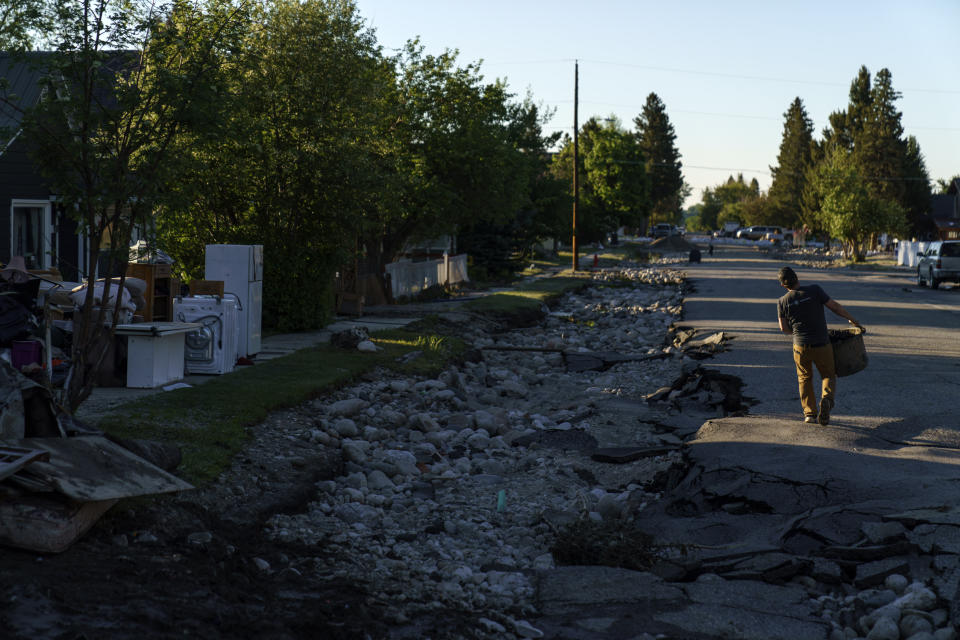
31,233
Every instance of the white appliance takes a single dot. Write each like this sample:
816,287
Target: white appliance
240,267
212,347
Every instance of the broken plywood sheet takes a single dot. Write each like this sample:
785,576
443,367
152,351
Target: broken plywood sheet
47,523
12,459
92,468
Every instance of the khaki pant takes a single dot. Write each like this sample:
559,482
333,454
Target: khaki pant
805,359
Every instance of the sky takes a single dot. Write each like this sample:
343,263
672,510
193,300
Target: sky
726,71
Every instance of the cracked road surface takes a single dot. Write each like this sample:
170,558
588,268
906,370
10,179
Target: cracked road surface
769,481
904,395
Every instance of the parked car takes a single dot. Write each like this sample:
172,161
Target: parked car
663,229
752,233
939,263
729,229
775,234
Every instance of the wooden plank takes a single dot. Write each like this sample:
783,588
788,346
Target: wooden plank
47,523
92,468
13,459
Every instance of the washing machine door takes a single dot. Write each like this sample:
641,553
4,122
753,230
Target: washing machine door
199,344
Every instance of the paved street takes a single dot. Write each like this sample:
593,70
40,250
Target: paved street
913,342
867,501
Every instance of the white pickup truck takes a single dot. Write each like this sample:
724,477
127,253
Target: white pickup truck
939,263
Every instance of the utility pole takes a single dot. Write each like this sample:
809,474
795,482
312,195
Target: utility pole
576,157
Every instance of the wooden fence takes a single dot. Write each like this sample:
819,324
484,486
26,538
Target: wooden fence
410,278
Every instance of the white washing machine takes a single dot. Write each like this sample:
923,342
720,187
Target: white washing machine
211,349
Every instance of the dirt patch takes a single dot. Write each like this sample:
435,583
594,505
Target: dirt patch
672,244
182,573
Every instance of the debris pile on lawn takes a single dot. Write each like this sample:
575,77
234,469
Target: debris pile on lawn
349,338
58,477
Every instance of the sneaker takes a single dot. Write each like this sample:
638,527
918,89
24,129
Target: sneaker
825,406
810,419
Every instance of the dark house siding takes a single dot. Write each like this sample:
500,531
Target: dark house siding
18,181
68,254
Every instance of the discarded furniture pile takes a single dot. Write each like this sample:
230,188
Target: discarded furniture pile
57,477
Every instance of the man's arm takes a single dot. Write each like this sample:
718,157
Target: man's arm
784,325
838,309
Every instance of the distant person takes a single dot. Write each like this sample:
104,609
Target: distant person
710,249
800,312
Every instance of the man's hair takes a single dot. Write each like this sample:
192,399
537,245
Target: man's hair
787,277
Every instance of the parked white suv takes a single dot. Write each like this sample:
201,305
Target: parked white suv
939,263
663,229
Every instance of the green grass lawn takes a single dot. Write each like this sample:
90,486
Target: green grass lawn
527,296
608,257
210,422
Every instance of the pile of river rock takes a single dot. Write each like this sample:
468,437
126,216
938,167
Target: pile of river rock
437,507
453,489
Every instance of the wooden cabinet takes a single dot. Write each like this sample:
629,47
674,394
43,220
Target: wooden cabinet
161,289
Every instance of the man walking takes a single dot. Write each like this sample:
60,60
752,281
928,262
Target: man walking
800,312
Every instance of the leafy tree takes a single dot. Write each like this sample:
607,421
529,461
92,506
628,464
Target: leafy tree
760,210
497,248
710,209
728,202
457,153
616,169
22,22
870,129
658,144
850,210
298,155
614,185
125,79
790,174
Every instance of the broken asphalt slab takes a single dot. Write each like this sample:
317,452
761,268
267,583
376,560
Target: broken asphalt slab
762,482
768,501
606,603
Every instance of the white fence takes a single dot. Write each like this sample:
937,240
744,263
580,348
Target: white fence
410,278
907,252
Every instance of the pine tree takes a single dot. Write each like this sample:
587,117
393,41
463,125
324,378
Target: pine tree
879,149
846,125
917,190
790,174
657,141
870,130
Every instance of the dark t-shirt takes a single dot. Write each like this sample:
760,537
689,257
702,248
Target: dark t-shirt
803,310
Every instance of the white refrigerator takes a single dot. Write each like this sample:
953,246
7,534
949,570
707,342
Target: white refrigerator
240,266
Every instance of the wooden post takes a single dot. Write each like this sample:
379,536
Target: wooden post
576,158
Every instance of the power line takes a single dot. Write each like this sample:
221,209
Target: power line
719,74
749,117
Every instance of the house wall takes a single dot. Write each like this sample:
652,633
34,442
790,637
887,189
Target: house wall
18,181
68,246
